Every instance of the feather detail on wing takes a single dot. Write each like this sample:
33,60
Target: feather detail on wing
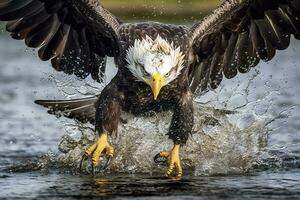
237,35
76,35
83,110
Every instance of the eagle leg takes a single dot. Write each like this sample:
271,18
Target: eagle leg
180,129
173,160
94,152
108,112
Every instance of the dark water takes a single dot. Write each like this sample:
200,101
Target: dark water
275,185
30,137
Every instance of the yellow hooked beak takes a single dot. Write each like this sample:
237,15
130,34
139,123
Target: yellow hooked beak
156,84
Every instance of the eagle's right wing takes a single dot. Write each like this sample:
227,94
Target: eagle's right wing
76,35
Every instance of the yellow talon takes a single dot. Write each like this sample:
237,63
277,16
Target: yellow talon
173,159
96,149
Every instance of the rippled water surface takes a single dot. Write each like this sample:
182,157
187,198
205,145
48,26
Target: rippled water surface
254,152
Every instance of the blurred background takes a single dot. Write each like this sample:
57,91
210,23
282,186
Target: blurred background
172,11
176,11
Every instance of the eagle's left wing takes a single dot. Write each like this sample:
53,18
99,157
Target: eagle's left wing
237,35
76,35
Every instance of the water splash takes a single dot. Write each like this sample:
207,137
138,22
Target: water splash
219,144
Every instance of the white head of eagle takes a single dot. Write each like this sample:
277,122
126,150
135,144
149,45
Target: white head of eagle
155,62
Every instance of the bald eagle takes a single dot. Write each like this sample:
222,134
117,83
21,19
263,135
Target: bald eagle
160,66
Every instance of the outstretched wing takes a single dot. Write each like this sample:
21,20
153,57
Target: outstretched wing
237,35
76,35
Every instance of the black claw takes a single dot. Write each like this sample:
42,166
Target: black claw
108,159
93,167
158,159
83,158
